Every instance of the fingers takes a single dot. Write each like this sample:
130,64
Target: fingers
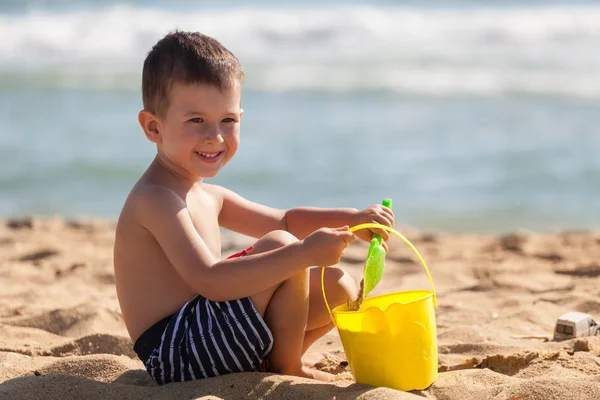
387,215
382,232
344,234
349,238
387,211
384,216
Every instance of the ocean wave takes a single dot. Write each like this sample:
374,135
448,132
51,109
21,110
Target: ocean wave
544,50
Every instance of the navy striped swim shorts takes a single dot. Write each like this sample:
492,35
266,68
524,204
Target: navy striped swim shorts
206,339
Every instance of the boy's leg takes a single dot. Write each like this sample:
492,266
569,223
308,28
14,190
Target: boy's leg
340,288
285,309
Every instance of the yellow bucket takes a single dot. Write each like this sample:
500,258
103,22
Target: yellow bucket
391,341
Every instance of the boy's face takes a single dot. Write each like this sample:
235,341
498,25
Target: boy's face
200,131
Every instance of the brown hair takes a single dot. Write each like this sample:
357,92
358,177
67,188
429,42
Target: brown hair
186,57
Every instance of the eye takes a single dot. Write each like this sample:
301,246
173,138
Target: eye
196,120
228,120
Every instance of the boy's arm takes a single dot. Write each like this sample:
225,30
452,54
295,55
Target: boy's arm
256,220
302,221
166,217
247,217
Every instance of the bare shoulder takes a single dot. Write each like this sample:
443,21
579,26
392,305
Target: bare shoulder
140,217
152,194
147,200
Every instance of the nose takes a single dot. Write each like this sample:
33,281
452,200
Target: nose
212,134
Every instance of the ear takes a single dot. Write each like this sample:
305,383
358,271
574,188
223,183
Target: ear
241,112
151,125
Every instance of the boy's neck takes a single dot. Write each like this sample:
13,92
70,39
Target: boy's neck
175,172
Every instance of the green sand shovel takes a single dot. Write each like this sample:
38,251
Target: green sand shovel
375,263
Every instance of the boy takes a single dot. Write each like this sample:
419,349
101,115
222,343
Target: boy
190,314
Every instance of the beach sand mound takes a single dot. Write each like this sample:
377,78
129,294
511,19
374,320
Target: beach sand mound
62,334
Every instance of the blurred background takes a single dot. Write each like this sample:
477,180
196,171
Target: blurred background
474,116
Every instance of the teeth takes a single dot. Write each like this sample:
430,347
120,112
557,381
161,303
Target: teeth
209,155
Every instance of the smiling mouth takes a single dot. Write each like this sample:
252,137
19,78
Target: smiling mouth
209,157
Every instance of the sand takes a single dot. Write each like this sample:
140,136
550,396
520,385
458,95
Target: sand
62,334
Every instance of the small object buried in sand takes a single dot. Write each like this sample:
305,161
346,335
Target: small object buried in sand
574,324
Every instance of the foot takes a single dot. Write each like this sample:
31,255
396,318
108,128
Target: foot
316,374
312,358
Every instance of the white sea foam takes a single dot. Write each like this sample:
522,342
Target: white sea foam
544,51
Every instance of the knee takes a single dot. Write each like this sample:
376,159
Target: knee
341,286
274,240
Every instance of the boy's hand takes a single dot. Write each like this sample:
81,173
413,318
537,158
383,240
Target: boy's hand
326,245
378,214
